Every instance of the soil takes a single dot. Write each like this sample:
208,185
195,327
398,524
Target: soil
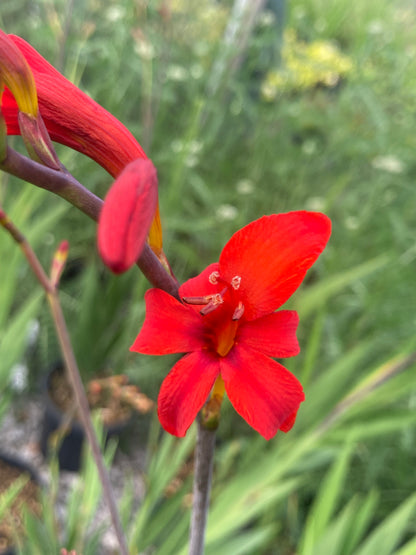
112,412
28,497
19,435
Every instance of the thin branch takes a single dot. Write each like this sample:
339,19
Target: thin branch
66,186
82,402
73,373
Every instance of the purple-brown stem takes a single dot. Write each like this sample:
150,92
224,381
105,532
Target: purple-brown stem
204,462
66,186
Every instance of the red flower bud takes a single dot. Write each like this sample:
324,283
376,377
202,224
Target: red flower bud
126,216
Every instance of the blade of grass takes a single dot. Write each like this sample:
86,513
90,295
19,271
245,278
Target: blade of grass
326,502
385,538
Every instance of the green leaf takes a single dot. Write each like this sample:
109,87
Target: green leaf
326,502
13,340
253,541
308,300
385,538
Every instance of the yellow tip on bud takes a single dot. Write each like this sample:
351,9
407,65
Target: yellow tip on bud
16,74
58,262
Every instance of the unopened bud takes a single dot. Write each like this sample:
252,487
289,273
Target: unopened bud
126,216
3,133
58,262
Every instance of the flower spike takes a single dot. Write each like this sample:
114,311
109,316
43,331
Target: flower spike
75,120
72,117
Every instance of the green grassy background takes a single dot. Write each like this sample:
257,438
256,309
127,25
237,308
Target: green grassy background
226,157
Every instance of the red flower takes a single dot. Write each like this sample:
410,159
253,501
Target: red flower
237,331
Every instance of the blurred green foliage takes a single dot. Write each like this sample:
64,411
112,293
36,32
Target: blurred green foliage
341,481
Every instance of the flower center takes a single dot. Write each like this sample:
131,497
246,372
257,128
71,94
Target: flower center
223,324
224,337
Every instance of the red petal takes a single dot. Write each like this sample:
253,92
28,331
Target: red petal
169,326
185,390
126,215
261,390
272,256
200,285
10,110
273,335
75,120
288,423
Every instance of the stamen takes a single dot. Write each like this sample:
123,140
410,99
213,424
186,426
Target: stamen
235,282
215,301
239,311
213,278
197,300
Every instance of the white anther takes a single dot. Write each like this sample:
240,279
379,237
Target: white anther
216,299
213,278
235,282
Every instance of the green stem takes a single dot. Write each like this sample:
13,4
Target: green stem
73,373
204,461
82,403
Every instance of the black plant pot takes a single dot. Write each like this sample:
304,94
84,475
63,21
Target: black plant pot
71,446
24,468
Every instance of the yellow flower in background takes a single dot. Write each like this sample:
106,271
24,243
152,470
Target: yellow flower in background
306,65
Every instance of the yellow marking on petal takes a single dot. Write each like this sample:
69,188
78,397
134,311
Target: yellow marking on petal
225,337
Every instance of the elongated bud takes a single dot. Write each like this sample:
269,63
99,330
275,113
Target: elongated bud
58,262
126,215
3,131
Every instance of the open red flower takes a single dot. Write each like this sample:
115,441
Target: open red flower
233,333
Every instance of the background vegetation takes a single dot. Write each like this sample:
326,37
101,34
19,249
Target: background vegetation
331,128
